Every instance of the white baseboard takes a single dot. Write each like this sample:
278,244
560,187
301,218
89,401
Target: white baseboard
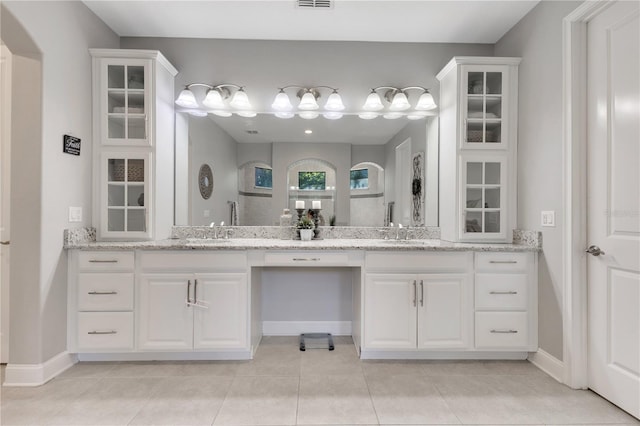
38,374
166,356
547,363
440,355
294,328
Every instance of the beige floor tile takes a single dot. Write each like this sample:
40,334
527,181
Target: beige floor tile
209,368
454,368
260,401
89,370
487,399
408,400
341,361
272,360
392,367
108,402
147,369
335,400
512,368
184,401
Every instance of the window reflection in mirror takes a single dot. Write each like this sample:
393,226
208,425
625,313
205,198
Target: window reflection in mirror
313,180
255,194
367,195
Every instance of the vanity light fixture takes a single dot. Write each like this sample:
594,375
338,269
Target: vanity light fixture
308,106
397,103
215,100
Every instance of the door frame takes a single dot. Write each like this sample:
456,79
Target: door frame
574,240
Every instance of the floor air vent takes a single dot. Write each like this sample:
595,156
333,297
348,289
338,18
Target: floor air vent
315,4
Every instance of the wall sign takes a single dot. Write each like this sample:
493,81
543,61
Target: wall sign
71,145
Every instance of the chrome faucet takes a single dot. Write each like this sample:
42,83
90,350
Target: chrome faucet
215,230
398,231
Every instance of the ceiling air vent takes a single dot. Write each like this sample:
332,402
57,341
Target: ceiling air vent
252,132
315,4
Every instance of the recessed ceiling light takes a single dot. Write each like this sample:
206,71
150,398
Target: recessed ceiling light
308,131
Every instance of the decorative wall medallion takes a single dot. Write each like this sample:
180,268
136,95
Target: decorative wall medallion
205,181
417,189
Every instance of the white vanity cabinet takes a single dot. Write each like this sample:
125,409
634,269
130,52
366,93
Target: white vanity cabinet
427,307
478,142
133,121
192,301
100,301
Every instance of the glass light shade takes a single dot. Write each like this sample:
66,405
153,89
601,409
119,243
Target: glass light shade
240,101
373,102
392,115
187,99
334,102
308,102
213,100
221,113
308,115
425,102
197,113
284,114
368,115
400,102
332,115
247,114
282,102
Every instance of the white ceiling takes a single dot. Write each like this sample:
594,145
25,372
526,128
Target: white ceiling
353,20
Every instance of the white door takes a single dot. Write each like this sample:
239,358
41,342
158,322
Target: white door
390,311
5,175
165,321
220,311
443,311
614,205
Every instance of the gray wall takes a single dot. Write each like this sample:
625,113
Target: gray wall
209,144
537,38
43,190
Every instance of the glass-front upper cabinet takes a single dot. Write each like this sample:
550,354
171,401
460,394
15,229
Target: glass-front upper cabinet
125,204
483,198
484,105
125,88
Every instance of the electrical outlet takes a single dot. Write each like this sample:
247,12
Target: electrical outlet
206,213
548,218
75,214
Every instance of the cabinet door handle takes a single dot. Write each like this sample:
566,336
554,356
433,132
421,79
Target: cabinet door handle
195,291
504,331
188,292
421,292
415,293
102,293
103,260
503,261
103,332
306,259
503,292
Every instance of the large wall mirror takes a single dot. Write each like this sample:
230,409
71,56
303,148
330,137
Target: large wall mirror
351,168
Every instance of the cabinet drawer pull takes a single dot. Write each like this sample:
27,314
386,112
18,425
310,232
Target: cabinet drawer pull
503,261
102,293
103,260
103,332
503,292
504,331
306,259
415,293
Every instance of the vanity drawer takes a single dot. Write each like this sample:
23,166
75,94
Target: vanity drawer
501,330
105,330
306,259
105,292
503,262
501,291
419,261
105,261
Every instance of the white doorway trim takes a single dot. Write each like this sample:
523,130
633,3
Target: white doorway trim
574,241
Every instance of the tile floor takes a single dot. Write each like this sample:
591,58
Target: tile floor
283,386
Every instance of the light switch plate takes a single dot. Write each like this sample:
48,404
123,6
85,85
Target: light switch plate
75,214
548,218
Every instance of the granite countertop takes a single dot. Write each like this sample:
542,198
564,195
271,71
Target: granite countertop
275,244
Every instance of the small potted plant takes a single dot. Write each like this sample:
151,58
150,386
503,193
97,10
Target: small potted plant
305,226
